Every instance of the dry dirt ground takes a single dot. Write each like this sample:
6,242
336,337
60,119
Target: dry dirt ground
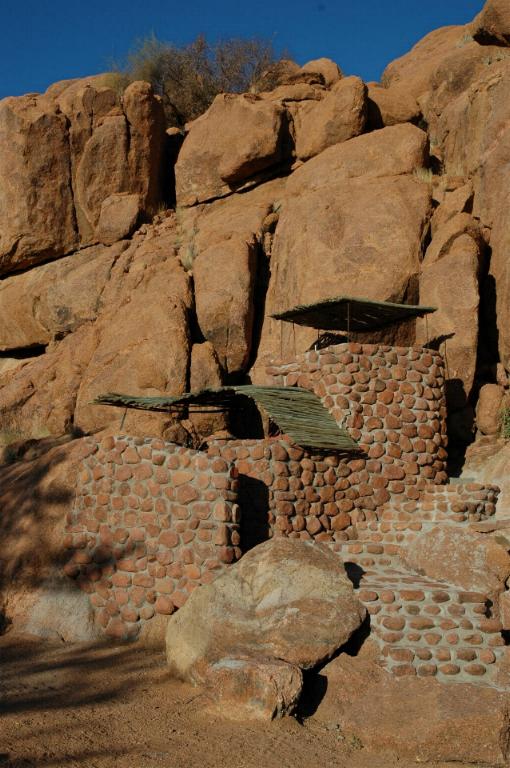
102,706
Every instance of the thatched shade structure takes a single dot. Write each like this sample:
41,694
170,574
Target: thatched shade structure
298,412
347,313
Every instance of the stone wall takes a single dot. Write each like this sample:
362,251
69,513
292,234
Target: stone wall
390,399
151,521
286,490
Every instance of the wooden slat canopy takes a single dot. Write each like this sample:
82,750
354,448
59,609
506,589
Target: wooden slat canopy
298,412
347,313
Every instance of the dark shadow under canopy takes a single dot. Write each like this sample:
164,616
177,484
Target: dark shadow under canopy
347,313
298,412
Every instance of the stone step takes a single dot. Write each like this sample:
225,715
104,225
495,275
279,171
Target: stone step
398,532
368,554
458,502
445,665
434,512
427,628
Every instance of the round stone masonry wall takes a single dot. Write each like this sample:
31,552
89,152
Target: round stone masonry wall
392,402
151,521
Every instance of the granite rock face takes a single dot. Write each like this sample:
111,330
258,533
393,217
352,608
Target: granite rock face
436,723
65,153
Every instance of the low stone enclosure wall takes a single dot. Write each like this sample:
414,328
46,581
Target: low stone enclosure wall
153,520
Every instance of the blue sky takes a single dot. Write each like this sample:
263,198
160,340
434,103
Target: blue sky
41,42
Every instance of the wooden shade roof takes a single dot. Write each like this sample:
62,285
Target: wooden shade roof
347,313
298,412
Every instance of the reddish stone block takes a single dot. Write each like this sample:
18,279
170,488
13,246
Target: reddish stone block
164,605
123,473
168,539
121,579
192,571
117,628
143,472
143,580
476,670
181,477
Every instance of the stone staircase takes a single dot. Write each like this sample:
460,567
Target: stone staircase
429,628
423,626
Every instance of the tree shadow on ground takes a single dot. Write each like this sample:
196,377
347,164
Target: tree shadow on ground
41,682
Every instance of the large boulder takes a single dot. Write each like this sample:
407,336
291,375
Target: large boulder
224,279
469,560
416,68
439,68
284,600
329,70
116,146
488,409
492,23
123,154
454,202
341,115
64,154
54,299
393,151
446,234
337,243
455,323
228,270
38,395
254,689
36,200
142,337
413,719
118,217
390,106
61,611
237,139
205,373
323,247
474,136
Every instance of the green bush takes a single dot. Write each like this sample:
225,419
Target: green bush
505,423
189,77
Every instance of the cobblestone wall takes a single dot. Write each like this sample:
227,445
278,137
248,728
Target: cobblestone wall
285,490
391,400
432,630
151,521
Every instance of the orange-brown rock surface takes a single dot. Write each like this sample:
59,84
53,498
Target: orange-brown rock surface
492,23
467,559
53,300
220,155
436,723
339,116
36,201
65,153
142,336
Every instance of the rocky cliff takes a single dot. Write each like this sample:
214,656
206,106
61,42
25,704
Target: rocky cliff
139,260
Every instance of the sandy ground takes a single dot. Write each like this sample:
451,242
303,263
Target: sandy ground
102,706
